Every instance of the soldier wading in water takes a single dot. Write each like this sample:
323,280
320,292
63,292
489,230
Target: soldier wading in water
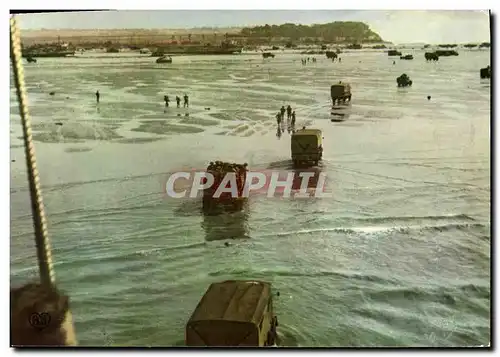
282,111
288,112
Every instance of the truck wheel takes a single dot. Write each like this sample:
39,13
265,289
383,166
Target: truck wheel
272,334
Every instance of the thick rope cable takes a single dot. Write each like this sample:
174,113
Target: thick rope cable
41,236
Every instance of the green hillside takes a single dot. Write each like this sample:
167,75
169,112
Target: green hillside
339,31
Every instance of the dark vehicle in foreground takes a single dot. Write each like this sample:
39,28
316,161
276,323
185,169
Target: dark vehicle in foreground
233,313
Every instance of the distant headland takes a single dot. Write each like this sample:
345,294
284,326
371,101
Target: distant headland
339,32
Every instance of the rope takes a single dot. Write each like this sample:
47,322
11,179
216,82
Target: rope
37,208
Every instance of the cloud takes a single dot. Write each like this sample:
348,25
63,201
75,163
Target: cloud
432,26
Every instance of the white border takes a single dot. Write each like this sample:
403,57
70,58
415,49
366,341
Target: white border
184,4
258,5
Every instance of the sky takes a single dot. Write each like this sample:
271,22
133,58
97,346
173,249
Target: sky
399,26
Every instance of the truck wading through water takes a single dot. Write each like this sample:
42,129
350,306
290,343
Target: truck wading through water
340,92
306,147
219,170
235,313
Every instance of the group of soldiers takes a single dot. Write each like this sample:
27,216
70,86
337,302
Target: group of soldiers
308,59
177,100
290,114
280,117
165,98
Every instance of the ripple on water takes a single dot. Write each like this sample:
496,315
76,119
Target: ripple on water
73,132
164,127
77,149
137,140
199,121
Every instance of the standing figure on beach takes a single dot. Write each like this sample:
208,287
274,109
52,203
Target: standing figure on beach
288,112
167,100
293,118
186,101
278,118
97,96
178,100
282,111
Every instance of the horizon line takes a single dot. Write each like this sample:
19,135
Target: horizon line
228,27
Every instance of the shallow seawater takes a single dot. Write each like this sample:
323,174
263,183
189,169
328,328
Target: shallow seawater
398,256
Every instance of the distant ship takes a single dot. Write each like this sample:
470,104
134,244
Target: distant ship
225,48
47,51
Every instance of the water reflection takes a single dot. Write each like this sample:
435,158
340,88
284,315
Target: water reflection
336,117
227,225
339,113
309,178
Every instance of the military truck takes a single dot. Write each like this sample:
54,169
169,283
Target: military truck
226,200
404,81
306,147
485,72
340,92
234,313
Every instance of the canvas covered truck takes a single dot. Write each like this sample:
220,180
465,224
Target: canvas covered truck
307,147
233,313
485,72
340,92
